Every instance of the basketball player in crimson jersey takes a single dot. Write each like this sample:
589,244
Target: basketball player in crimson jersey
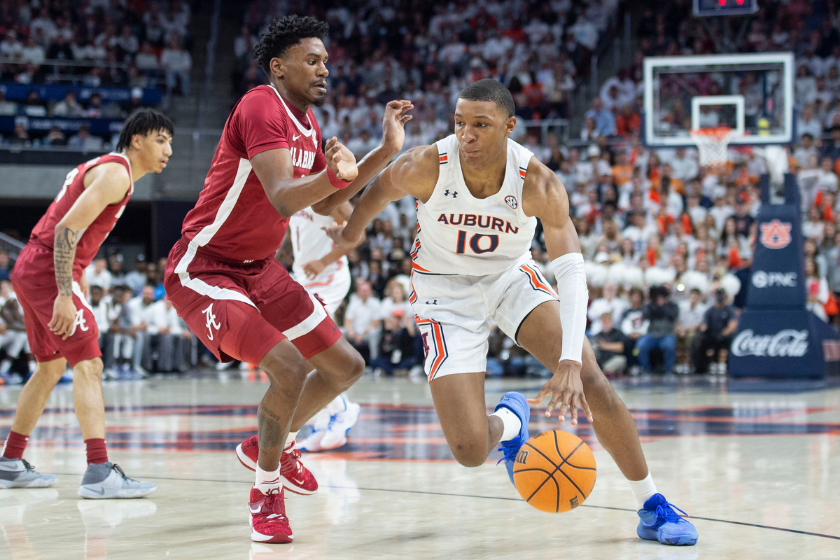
222,276
479,197
50,284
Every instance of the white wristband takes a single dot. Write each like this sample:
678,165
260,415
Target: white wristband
571,287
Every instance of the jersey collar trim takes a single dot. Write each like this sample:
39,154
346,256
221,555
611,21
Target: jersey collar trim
306,132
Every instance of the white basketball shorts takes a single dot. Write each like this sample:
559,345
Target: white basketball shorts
331,291
453,313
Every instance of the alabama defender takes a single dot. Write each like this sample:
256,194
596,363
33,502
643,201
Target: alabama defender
222,277
480,195
322,269
50,283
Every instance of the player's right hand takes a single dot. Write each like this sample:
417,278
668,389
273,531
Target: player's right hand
64,316
341,160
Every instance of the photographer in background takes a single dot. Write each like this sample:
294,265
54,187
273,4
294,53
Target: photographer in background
719,324
662,314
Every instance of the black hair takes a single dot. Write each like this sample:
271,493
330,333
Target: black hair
489,89
284,33
142,122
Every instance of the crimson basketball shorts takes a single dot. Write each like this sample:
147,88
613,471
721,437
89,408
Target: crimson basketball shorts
242,310
33,280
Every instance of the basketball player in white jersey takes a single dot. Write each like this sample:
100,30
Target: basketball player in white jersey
322,269
479,197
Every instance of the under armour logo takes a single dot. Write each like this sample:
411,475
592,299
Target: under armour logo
433,302
80,322
454,193
211,321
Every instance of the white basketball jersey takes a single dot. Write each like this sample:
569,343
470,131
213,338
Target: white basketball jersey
460,234
310,242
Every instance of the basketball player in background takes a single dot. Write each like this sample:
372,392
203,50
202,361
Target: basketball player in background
222,277
479,197
50,283
322,269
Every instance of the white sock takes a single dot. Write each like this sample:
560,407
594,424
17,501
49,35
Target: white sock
642,490
338,404
510,422
290,442
267,480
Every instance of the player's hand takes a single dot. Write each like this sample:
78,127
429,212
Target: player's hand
565,389
340,159
64,316
83,284
393,125
341,237
313,268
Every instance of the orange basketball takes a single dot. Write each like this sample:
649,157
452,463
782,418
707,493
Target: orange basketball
554,471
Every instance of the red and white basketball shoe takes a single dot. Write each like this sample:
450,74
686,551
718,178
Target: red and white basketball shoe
269,523
294,476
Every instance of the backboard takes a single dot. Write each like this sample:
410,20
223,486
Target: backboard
706,8
750,93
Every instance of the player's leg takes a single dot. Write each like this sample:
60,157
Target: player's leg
470,432
14,471
540,333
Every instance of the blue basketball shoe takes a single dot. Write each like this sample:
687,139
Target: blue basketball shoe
516,403
659,522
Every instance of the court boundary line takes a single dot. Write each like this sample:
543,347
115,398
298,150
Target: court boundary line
422,492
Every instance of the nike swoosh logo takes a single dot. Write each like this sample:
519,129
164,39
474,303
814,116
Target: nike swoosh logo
100,492
255,511
294,138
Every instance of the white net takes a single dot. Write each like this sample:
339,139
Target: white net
712,143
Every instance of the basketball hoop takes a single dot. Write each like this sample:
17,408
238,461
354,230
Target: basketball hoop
713,144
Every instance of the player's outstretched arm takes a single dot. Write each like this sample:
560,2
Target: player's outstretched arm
393,138
104,185
414,173
313,268
544,196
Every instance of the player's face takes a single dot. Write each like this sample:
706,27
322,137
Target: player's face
156,149
482,129
303,70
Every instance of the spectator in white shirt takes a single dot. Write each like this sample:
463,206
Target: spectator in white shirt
808,122
177,63
10,47
805,149
362,320
68,107
164,340
141,313
685,168
688,321
607,304
32,52
97,274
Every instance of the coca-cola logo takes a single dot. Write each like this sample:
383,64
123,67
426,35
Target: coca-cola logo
787,343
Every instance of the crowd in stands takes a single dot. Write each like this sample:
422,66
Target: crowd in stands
381,51
91,44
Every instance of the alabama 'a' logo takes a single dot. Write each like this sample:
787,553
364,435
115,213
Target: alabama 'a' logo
511,201
775,234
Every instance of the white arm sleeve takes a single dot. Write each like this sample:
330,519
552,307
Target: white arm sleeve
571,287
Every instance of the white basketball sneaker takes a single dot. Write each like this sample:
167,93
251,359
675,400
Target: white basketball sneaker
340,423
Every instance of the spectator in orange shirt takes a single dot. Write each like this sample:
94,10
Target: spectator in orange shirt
628,122
622,171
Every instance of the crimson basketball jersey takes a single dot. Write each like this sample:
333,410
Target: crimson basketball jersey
89,239
233,218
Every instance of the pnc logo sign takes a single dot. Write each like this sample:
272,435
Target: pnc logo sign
761,279
775,234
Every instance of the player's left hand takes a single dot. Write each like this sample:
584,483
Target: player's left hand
341,160
338,234
393,125
313,268
565,389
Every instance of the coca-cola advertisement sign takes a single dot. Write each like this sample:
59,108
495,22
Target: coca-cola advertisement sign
786,343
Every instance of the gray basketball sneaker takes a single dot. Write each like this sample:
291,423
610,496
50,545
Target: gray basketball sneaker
108,481
17,473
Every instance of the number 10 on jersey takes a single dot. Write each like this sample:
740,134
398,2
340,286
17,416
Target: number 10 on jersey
478,244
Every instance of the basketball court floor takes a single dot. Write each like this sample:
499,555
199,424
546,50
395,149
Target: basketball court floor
756,464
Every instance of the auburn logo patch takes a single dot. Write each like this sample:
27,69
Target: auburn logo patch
775,234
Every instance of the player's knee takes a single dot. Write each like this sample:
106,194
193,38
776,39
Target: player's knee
356,366
284,364
469,455
89,368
